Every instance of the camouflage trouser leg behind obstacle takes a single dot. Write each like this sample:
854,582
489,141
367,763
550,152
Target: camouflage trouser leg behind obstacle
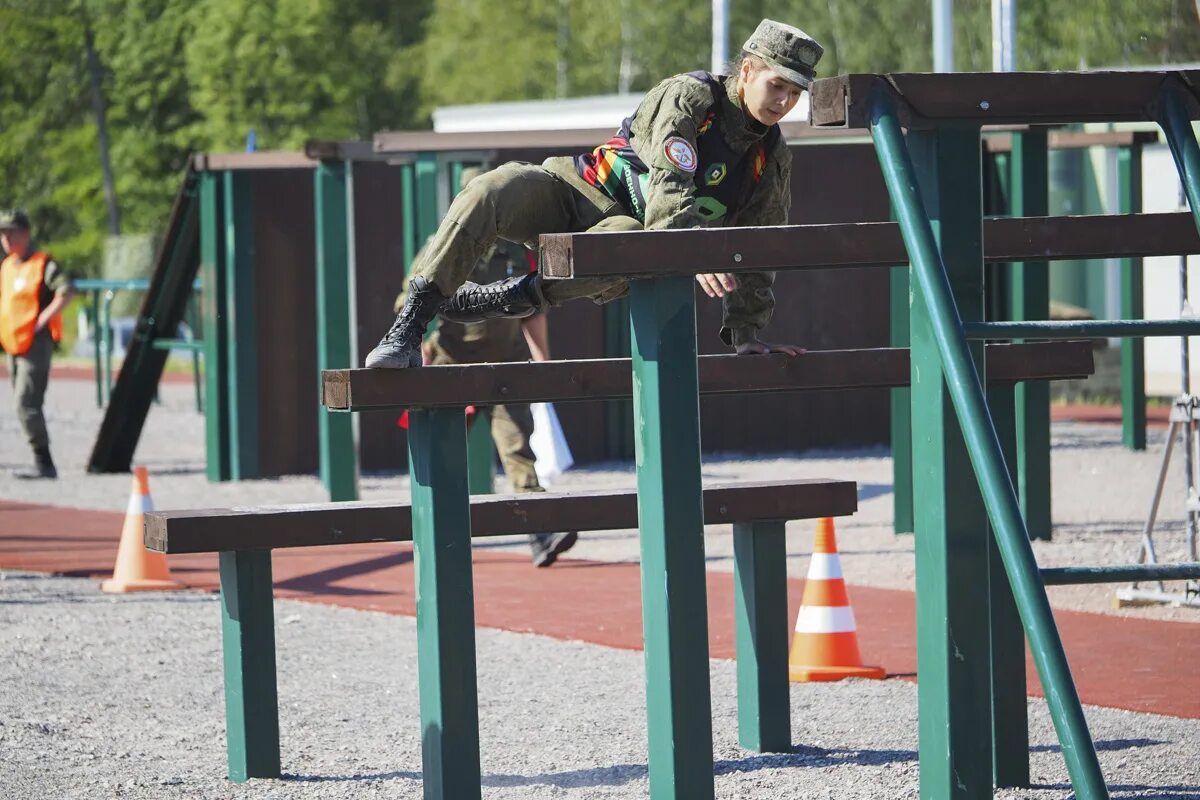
518,202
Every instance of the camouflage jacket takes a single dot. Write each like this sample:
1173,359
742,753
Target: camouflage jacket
678,107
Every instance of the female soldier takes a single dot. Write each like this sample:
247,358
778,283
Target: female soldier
700,150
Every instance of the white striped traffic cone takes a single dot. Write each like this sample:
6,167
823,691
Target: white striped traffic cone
825,646
137,569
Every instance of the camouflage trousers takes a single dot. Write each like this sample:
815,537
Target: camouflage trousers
30,373
512,428
518,202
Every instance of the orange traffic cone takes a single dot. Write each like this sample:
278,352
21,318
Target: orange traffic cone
137,569
825,647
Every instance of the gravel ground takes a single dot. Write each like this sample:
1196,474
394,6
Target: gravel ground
120,697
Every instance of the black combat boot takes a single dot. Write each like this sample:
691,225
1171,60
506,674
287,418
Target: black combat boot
515,298
547,547
401,346
44,466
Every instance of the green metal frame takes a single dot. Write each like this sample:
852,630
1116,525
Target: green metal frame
332,192
216,337
949,691
1133,351
241,345
248,644
671,521
901,399
761,620
953,651
1030,299
446,673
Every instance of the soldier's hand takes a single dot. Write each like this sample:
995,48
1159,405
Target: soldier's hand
716,284
758,347
427,352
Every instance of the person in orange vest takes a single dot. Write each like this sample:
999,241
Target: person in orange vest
33,291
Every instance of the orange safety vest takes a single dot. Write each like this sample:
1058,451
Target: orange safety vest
20,302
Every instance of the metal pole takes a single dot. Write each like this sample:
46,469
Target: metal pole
1004,35
943,35
962,380
720,35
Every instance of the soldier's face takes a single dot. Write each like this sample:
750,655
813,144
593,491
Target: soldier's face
14,240
767,96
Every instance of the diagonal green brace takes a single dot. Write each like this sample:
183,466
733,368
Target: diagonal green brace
671,520
943,329
761,620
248,643
445,604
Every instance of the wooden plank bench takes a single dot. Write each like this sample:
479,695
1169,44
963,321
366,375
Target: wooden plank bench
245,537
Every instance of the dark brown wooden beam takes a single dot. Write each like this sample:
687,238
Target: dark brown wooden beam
602,379
1077,140
998,98
272,527
645,254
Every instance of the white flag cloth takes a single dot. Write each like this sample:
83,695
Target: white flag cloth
548,443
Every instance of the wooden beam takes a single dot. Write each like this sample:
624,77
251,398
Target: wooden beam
998,98
603,379
271,527
659,253
1077,140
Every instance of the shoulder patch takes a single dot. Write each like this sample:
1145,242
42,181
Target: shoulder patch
680,152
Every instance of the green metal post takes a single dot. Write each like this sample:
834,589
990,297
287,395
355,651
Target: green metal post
1133,350
332,190
1010,716
425,175
481,470
1031,301
408,216
761,617
1181,137
95,296
953,650
445,604
242,345
212,305
671,521
941,320
618,413
902,479
248,642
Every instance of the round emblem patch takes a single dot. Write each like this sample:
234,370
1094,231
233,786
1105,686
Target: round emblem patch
681,153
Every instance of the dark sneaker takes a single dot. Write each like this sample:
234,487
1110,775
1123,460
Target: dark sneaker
515,298
547,547
400,348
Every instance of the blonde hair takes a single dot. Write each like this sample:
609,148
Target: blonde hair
734,67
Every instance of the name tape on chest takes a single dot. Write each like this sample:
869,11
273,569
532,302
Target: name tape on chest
680,152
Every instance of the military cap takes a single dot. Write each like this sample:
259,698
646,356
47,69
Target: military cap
790,52
11,219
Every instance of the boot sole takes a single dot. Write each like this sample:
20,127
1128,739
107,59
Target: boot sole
559,547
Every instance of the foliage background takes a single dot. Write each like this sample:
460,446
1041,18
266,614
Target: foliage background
182,76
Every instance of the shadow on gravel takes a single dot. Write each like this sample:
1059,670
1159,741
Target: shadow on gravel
362,776
619,774
1130,791
1107,745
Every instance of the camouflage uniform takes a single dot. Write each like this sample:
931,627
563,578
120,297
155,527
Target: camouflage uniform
492,341
520,201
